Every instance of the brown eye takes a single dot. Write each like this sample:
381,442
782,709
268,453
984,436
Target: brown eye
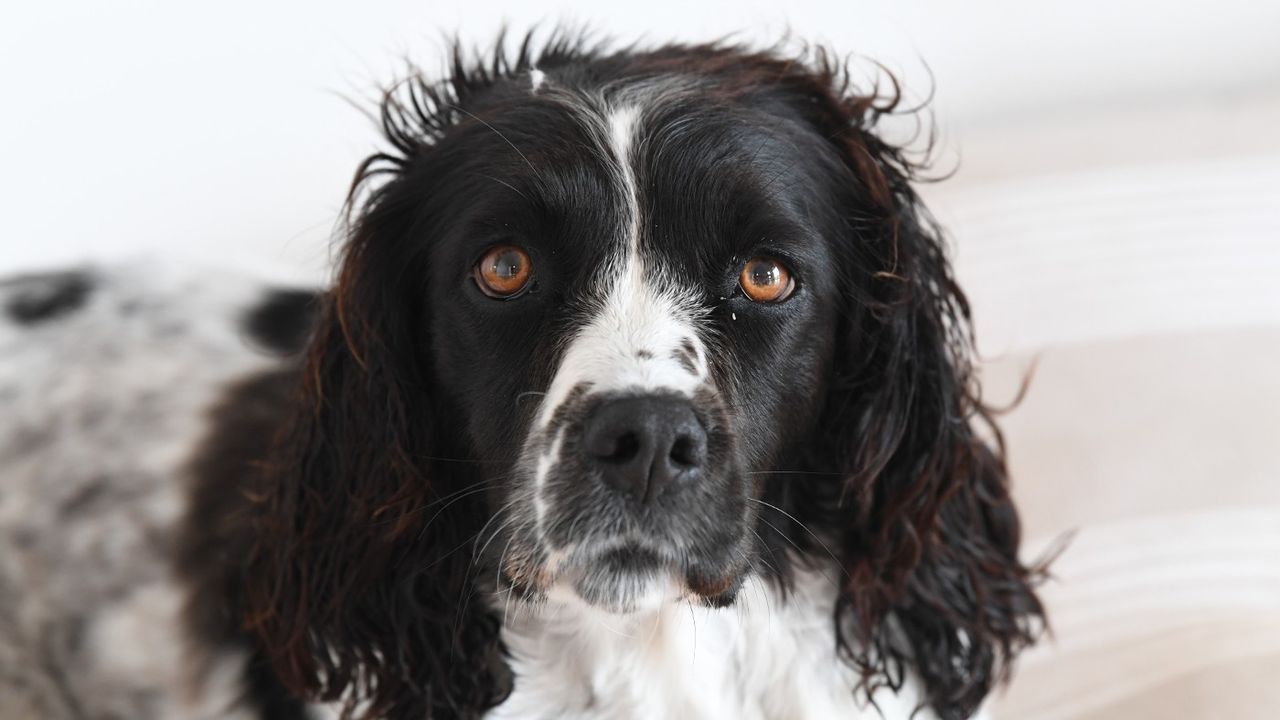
766,280
503,271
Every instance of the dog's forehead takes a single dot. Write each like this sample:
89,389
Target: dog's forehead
666,162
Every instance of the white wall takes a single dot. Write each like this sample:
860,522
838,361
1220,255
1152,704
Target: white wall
219,130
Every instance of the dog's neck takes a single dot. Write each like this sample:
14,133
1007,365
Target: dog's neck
770,655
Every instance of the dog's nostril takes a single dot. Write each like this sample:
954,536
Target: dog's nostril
612,445
684,452
625,448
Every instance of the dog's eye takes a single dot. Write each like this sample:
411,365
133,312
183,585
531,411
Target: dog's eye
503,271
766,280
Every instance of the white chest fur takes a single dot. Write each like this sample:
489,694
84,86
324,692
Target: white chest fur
766,658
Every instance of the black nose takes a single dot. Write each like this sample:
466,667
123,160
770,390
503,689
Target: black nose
645,446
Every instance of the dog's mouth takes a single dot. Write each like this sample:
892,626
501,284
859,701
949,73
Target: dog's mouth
627,578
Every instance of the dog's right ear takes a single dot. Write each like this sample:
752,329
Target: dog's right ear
356,582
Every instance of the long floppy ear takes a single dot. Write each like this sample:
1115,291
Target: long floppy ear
356,585
930,540
356,581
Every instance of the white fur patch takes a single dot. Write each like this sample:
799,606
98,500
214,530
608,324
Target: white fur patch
540,474
622,124
643,337
536,78
635,340
767,657
631,344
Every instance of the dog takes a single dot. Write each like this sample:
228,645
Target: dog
643,390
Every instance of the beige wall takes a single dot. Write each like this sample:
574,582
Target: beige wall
1136,257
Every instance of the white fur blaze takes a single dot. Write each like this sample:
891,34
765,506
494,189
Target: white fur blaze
643,338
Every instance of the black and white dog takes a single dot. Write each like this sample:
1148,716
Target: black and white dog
643,391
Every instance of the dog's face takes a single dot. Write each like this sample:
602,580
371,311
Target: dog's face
632,301
617,329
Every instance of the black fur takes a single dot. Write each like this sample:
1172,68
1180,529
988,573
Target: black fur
283,321
41,298
213,541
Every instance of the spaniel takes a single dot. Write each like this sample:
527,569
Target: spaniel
643,390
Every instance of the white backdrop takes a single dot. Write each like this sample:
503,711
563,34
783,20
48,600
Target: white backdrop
219,129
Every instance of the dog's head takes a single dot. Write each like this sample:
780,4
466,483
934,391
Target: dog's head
622,329
633,283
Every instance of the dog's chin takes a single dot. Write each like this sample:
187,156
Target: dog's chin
621,580
632,579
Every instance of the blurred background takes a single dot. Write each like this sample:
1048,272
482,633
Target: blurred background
1115,212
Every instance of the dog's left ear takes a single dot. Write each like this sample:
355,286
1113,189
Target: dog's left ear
931,534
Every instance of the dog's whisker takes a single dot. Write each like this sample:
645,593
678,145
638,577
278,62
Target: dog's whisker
529,393
812,534
498,579
456,498
793,544
759,555
505,139
479,553
466,461
456,494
